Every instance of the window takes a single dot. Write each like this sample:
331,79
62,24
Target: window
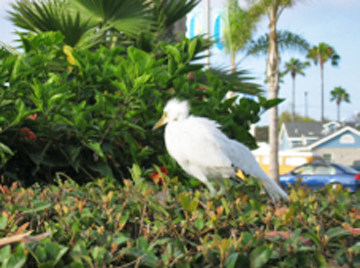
294,160
347,139
327,157
324,170
304,170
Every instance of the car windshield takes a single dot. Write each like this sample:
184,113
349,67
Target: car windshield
347,169
304,170
315,169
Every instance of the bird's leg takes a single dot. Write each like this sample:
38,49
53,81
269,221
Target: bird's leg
197,173
222,188
211,188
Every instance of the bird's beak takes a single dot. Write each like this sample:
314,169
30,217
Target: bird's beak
162,121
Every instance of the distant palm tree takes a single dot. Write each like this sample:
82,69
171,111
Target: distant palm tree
294,67
322,54
339,94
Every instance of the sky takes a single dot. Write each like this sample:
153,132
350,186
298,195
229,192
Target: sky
335,22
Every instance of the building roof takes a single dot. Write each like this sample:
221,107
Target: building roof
333,135
300,129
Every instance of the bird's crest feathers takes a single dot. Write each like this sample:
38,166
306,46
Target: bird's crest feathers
176,109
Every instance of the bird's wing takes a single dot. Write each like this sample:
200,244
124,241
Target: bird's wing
243,159
197,140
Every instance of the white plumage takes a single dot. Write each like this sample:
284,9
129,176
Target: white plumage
203,151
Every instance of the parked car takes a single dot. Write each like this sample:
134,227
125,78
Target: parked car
318,175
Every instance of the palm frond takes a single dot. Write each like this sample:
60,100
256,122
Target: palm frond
239,26
240,81
168,12
126,16
8,48
49,16
286,41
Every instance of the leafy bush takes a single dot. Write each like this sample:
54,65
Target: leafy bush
89,113
143,225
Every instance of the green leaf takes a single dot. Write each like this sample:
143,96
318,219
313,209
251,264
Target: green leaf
141,243
3,221
192,47
16,260
41,254
169,49
314,237
99,254
55,98
5,251
161,241
199,223
102,168
76,265
231,260
96,147
259,256
121,239
236,260
172,66
140,81
319,258
38,206
52,250
6,149
184,201
61,253
135,173
337,233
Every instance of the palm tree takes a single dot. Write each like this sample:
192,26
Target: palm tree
322,54
273,9
294,67
339,94
239,27
92,21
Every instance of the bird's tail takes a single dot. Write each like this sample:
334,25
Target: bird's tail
271,187
275,192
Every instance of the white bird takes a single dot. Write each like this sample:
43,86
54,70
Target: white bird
203,151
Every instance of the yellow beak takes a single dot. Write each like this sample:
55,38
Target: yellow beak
159,123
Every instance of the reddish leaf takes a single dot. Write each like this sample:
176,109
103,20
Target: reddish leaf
287,235
158,177
32,116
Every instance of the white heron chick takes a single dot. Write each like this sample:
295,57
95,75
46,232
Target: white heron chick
203,151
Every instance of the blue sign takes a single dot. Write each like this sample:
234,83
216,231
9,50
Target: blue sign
218,33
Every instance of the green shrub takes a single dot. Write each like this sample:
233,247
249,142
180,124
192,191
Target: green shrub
143,225
94,109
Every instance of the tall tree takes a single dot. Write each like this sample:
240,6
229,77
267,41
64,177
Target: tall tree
273,9
321,54
294,67
339,94
239,27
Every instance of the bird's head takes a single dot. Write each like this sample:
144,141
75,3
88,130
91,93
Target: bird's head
175,110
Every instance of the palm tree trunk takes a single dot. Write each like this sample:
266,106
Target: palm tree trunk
233,67
338,112
293,101
273,83
322,92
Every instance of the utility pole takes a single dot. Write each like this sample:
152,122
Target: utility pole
306,104
207,22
